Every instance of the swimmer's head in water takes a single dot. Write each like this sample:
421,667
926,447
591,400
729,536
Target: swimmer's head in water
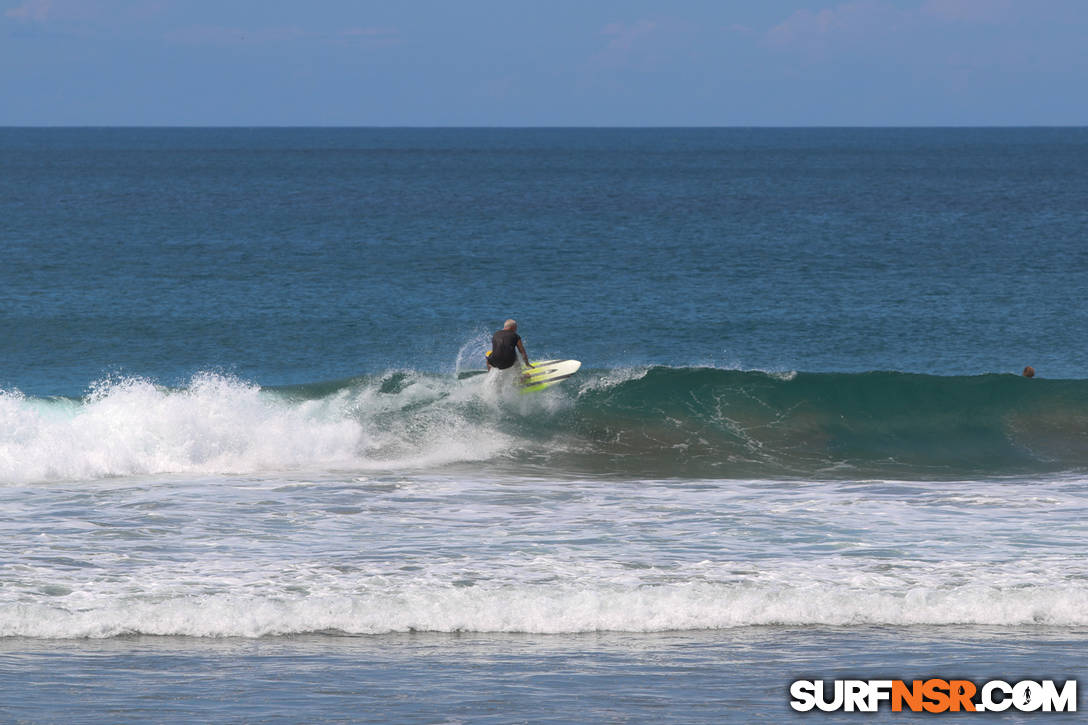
1029,372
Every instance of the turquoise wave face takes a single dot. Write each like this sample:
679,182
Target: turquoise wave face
726,423
646,422
662,421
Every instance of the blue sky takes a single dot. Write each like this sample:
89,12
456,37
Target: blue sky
545,63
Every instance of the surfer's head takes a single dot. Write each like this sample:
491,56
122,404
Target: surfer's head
1029,372
510,325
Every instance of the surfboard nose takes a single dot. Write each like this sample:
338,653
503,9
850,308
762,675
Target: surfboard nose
546,373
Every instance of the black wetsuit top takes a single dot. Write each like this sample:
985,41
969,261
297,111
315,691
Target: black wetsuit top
504,349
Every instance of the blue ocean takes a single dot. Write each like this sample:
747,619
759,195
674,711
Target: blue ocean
250,470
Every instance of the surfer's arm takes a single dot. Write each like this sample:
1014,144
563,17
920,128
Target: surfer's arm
524,355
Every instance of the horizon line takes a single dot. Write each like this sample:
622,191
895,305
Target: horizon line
532,127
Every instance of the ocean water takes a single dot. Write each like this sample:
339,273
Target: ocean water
249,470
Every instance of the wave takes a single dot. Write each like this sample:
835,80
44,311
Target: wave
543,610
881,423
645,422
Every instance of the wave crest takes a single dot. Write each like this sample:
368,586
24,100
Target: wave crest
546,610
645,422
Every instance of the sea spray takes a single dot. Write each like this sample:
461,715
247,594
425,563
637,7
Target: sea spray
132,426
222,425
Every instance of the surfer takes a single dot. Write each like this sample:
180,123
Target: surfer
505,345
1029,372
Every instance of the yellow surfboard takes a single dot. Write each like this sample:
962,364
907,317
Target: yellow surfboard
546,373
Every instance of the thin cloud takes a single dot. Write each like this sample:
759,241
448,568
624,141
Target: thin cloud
36,10
220,35
369,32
968,11
949,46
90,14
373,37
626,46
624,36
862,20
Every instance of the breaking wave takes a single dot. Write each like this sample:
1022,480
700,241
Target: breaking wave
655,421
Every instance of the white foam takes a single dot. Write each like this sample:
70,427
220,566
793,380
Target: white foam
222,557
221,425
538,609
132,426
613,378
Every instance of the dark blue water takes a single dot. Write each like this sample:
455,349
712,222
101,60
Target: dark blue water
244,475
293,256
677,677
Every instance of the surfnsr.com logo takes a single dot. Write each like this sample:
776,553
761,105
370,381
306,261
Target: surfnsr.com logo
933,695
